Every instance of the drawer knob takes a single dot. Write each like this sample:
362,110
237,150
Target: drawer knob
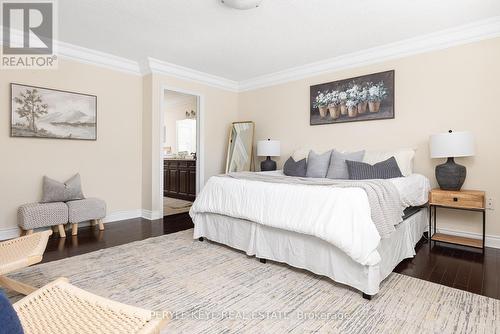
455,199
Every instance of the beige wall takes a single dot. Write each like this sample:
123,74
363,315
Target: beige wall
218,110
457,88
110,167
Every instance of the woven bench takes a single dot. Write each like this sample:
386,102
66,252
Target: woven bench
88,209
36,215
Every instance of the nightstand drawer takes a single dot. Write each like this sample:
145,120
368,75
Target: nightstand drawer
459,199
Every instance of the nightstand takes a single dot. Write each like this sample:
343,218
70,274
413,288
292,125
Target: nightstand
470,200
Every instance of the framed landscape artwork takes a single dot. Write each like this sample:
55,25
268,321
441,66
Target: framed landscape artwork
49,113
364,98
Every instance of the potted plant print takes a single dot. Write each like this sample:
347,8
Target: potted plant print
352,100
321,102
334,105
342,101
352,108
363,101
376,93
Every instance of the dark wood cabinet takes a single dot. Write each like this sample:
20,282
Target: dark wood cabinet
179,179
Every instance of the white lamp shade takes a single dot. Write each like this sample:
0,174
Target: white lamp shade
452,145
268,148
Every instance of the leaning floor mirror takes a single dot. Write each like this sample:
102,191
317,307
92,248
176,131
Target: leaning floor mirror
240,147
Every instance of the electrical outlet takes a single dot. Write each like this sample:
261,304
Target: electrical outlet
490,204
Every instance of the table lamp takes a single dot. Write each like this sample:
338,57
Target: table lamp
268,148
450,145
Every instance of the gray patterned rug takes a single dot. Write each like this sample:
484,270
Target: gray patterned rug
209,288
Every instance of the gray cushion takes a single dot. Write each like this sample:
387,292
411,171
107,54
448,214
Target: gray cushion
295,168
387,169
317,164
86,209
55,191
338,167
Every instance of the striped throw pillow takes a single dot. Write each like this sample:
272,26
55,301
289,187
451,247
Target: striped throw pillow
386,169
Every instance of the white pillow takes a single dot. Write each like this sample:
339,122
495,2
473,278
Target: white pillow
404,158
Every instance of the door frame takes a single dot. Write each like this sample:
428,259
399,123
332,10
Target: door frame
200,131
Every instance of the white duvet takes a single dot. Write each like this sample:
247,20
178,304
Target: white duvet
340,216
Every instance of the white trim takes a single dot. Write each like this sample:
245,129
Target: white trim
14,232
9,233
98,58
490,241
468,33
151,215
180,72
464,34
200,132
122,215
90,56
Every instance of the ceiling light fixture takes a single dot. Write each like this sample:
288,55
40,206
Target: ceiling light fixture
242,4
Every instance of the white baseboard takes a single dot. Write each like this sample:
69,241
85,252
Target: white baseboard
123,215
490,240
14,232
151,215
9,233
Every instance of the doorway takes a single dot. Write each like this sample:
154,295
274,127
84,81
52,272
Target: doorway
180,150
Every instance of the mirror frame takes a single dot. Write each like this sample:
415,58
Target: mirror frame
252,161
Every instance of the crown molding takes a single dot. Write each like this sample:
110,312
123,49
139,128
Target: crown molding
98,58
473,32
156,66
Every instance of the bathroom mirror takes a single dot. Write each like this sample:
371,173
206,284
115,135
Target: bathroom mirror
240,147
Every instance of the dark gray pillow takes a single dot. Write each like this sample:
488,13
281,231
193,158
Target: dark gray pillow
295,168
317,164
55,191
338,167
386,169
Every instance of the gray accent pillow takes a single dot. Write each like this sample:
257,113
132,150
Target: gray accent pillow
386,169
55,191
317,164
338,167
295,168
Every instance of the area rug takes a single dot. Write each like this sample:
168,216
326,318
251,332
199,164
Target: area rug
173,206
209,288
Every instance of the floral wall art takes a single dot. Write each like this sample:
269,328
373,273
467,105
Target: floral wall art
364,98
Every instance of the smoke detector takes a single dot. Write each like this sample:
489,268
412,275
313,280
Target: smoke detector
242,4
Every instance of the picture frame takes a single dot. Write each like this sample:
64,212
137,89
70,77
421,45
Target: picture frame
41,112
363,98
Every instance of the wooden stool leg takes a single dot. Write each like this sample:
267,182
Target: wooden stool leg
62,232
74,229
28,232
93,222
101,225
23,232
11,284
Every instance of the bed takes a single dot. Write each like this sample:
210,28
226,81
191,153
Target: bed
297,224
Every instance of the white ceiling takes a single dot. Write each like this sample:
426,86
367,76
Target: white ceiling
240,45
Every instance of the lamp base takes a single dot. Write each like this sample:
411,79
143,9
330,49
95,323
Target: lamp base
450,176
268,165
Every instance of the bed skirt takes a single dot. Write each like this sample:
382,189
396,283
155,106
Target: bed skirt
311,253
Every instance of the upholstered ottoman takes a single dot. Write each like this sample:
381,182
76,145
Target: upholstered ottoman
35,215
93,209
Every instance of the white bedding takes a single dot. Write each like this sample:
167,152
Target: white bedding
313,210
413,189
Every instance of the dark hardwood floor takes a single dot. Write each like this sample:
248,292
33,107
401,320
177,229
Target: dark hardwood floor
454,266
